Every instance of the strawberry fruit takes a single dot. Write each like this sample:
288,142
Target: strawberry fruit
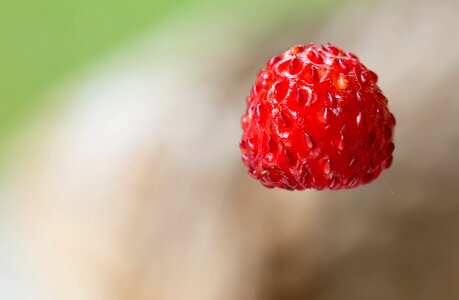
316,118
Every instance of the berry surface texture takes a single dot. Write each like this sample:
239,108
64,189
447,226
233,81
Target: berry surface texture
316,118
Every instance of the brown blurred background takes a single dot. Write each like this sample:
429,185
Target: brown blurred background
126,182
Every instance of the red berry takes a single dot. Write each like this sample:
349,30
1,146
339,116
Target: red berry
316,118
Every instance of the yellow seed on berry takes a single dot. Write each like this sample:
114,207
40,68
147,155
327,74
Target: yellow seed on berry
342,82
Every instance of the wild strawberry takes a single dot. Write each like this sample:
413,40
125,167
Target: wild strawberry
316,118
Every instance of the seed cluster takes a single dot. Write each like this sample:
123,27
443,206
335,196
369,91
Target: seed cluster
316,118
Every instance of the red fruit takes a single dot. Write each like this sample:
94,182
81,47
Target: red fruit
316,118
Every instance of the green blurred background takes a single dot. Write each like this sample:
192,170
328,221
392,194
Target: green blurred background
44,41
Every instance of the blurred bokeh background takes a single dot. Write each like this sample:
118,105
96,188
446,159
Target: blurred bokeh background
120,174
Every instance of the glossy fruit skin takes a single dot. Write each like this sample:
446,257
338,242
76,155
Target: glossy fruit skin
316,118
